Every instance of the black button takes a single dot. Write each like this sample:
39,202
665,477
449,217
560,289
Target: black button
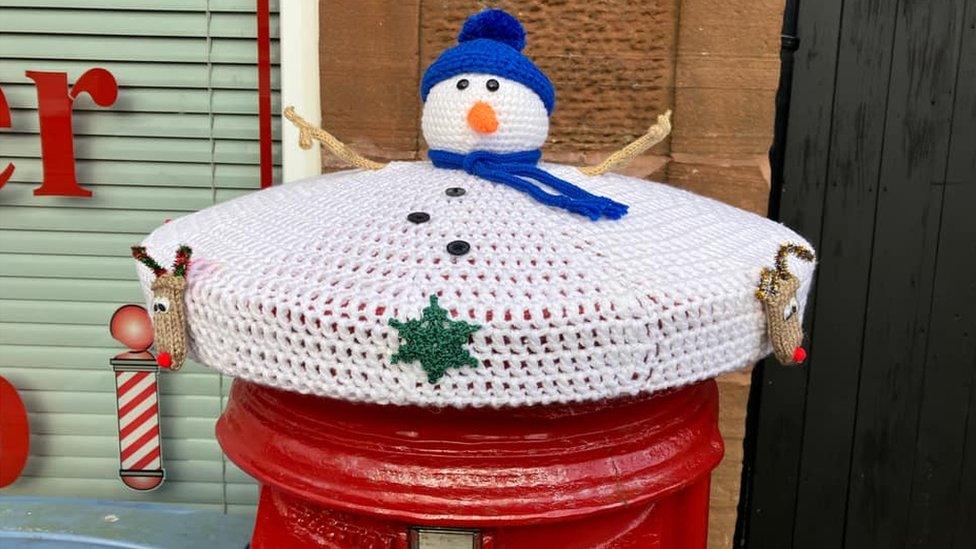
418,217
492,85
462,83
458,247
455,191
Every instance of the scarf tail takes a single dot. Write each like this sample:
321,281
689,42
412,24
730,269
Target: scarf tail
519,169
605,206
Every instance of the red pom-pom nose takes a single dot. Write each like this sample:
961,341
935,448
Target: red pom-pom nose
164,359
799,355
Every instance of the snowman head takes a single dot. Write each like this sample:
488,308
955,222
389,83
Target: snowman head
483,94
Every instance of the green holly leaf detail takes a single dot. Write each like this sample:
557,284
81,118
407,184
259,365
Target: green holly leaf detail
434,340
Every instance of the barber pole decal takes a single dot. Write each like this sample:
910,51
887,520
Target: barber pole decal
140,453
137,399
137,370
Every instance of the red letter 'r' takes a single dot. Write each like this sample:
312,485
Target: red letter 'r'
54,103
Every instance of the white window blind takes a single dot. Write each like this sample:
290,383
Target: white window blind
182,136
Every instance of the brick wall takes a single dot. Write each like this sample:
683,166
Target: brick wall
616,64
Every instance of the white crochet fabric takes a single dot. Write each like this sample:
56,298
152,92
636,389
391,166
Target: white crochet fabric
294,286
522,118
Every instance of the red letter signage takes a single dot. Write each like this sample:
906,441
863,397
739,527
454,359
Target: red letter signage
54,103
5,123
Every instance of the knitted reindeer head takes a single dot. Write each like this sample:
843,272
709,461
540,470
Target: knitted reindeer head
777,292
168,310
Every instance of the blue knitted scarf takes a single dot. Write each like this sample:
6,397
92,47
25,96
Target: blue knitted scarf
519,169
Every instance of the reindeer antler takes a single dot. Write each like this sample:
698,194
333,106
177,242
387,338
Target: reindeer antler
139,253
785,251
180,264
769,278
182,260
767,284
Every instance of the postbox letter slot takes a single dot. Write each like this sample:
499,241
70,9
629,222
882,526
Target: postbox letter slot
444,538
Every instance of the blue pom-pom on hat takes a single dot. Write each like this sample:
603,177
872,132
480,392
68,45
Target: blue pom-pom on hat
494,25
490,42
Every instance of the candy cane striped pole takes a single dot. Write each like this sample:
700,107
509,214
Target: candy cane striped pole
140,454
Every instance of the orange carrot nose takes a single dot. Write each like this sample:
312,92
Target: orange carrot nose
482,118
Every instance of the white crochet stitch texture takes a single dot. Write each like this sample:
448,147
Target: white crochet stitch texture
522,117
294,286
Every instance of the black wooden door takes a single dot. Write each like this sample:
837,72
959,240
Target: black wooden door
873,442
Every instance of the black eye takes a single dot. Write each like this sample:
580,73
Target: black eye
491,84
160,305
462,83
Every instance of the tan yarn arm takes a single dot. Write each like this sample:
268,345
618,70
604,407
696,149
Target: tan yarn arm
307,132
655,134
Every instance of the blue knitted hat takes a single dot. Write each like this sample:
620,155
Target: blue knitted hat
490,42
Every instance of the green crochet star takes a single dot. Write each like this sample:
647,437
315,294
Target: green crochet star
435,340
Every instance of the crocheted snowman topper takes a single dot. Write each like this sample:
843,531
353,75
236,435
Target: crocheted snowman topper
476,279
168,309
486,112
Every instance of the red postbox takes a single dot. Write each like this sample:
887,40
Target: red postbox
626,472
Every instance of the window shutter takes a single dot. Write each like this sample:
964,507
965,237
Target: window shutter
182,135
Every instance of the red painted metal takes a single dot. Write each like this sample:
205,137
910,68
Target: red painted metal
264,90
630,472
